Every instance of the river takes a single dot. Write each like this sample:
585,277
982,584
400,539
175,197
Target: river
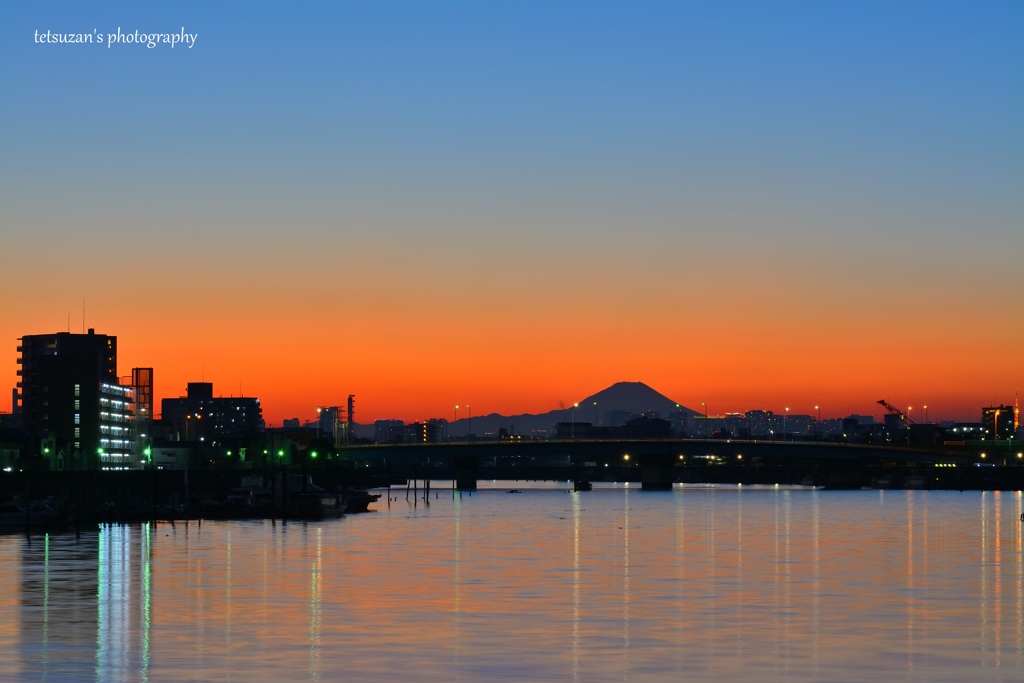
616,584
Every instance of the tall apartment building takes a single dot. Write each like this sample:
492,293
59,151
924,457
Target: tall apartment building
68,386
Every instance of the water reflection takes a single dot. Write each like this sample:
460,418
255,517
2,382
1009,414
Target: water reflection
576,581
122,603
315,588
776,584
457,588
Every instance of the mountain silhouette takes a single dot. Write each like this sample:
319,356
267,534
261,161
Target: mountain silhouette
615,404
632,397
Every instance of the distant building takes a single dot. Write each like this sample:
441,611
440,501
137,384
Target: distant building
582,430
737,424
760,423
644,427
69,387
434,430
997,422
388,431
199,416
331,425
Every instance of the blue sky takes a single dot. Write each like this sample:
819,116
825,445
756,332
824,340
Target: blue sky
489,154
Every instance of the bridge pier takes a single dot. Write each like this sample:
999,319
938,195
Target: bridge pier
466,470
657,472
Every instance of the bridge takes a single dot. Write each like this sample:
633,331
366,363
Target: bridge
659,463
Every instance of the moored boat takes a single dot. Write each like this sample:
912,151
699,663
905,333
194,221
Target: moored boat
357,500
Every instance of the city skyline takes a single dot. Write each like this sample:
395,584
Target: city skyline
655,400
431,204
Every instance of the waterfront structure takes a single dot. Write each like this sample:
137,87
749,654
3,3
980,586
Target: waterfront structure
68,386
199,416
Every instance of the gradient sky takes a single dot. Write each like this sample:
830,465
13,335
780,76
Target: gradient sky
516,204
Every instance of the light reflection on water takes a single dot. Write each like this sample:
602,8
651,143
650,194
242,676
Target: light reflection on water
612,584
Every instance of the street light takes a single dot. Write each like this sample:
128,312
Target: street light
817,425
784,416
572,415
705,418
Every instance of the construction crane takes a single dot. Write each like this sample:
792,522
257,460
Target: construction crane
897,412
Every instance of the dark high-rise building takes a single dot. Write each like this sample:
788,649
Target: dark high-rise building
201,417
69,387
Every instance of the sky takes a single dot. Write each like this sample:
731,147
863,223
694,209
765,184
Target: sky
513,205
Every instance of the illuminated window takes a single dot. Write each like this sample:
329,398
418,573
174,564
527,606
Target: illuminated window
78,390
78,418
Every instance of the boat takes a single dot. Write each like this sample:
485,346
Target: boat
318,505
249,501
309,501
357,500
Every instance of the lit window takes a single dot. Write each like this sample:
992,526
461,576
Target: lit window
78,418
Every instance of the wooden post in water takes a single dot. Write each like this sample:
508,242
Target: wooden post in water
27,499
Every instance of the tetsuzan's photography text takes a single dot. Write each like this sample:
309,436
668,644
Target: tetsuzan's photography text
181,38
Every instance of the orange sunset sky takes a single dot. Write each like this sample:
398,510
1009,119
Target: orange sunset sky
515,207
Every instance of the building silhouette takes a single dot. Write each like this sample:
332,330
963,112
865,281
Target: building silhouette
389,431
199,416
68,387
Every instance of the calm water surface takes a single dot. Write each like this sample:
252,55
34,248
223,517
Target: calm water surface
696,584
